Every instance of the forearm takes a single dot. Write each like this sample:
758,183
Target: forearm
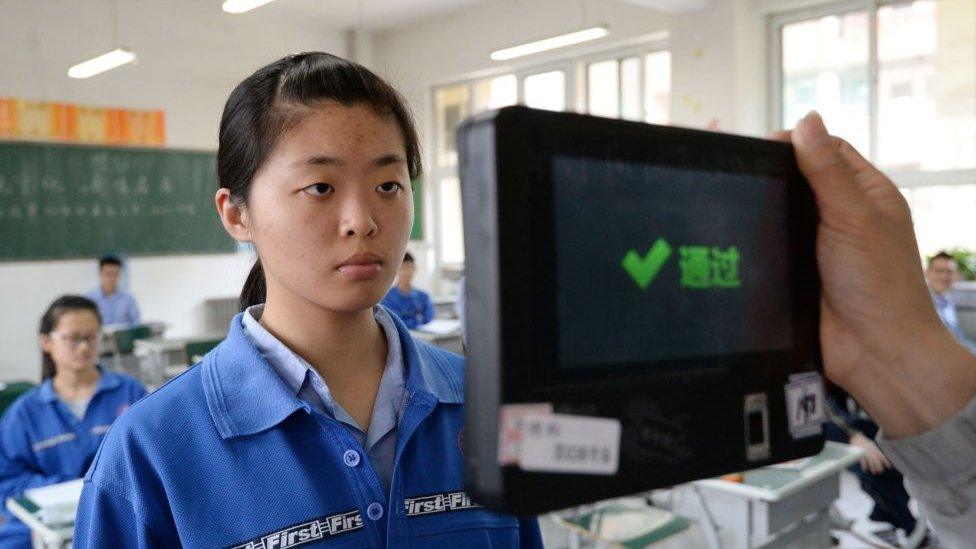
918,389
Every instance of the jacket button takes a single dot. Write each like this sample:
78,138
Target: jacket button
374,511
351,458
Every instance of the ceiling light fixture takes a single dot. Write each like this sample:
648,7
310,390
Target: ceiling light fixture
240,6
561,41
107,61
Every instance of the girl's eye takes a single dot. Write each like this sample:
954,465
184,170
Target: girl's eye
319,189
390,187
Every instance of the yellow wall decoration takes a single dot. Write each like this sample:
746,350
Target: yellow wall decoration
21,119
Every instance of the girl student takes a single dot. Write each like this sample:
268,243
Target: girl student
318,420
50,434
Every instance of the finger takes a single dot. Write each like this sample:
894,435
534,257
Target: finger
857,162
875,465
830,174
780,135
883,192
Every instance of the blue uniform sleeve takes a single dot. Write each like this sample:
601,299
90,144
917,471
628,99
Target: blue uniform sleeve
18,466
106,519
133,312
529,534
429,311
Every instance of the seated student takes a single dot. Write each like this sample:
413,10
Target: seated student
116,305
879,479
320,419
413,306
50,433
940,274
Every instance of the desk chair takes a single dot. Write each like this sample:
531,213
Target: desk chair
122,342
10,391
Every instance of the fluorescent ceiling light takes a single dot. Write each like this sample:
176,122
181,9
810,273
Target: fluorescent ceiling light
240,6
560,41
102,63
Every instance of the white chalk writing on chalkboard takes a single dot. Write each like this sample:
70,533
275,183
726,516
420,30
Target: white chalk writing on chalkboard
51,185
25,186
142,185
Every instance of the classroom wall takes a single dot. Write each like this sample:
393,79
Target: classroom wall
710,49
718,56
191,54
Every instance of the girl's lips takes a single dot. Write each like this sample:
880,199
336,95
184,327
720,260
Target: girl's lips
360,271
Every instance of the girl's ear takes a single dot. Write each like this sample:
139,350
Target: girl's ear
45,342
233,216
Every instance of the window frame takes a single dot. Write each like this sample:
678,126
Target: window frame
776,22
574,65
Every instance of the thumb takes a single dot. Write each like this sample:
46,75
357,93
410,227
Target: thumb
830,174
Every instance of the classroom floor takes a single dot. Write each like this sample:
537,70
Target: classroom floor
853,504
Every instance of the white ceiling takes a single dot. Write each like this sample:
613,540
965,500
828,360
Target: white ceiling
373,14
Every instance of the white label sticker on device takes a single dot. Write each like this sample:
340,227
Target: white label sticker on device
560,443
805,404
510,428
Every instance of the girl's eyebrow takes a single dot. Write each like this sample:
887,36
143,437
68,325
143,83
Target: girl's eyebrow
324,160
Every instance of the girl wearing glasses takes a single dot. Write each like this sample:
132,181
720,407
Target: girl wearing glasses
50,433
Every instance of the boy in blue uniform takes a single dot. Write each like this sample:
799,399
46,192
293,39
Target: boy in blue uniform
50,434
413,306
116,306
319,420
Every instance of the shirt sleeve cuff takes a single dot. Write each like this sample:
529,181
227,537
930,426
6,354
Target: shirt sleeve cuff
940,454
939,465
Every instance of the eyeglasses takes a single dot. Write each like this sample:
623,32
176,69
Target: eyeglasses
76,340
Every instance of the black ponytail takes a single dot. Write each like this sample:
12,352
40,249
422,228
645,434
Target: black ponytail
255,291
275,98
54,312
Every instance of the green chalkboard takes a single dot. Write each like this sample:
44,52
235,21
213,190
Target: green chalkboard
417,232
63,201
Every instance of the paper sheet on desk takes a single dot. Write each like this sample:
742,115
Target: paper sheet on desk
441,326
56,495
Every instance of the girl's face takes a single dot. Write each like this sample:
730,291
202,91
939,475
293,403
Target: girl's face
73,343
331,208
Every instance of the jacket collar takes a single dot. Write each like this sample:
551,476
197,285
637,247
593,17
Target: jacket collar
107,381
246,396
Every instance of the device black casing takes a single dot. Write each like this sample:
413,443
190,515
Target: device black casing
681,420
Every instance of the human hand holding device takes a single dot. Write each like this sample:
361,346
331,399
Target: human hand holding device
880,336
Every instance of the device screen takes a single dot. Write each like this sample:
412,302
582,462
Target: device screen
662,263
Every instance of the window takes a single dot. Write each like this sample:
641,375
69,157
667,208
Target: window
944,216
633,84
823,59
494,93
603,88
546,90
898,80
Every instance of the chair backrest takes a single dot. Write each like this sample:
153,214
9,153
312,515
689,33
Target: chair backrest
12,390
200,348
125,339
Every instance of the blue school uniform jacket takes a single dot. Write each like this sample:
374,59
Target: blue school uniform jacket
226,456
42,442
414,309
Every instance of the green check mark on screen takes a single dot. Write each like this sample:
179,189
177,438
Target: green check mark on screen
643,270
